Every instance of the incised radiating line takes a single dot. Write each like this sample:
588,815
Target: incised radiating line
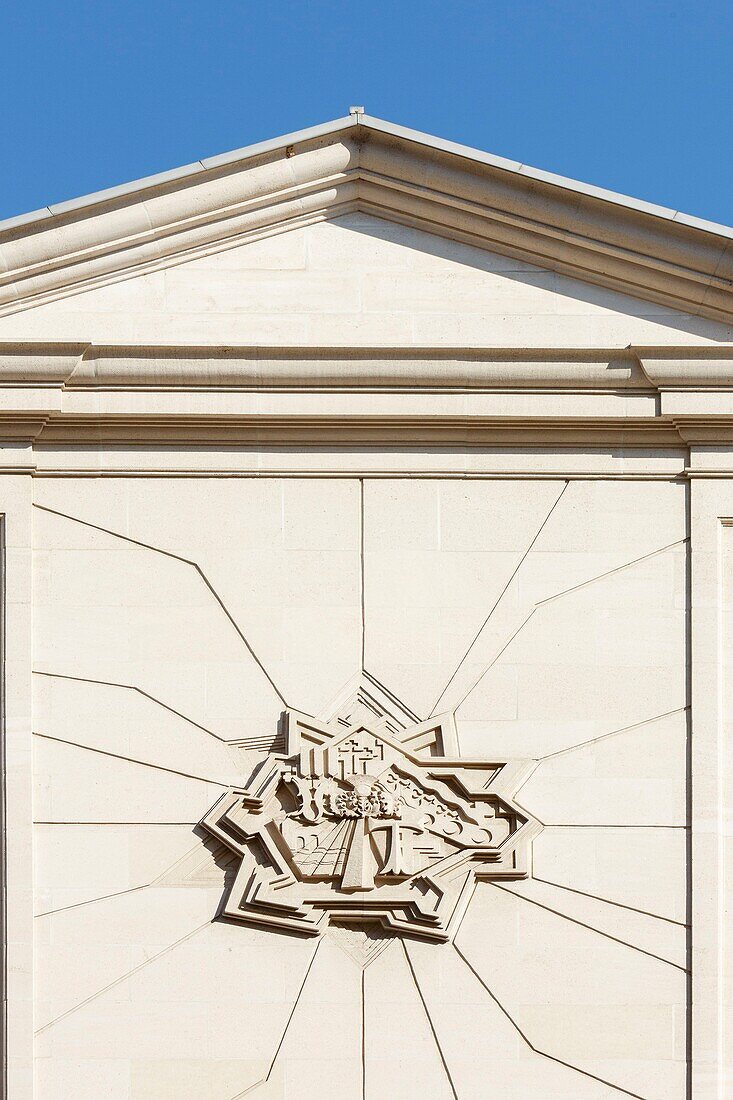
538,761
185,561
493,661
362,575
116,894
607,825
95,823
124,977
430,1022
363,1036
608,901
532,1047
612,733
499,598
616,569
540,604
139,690
131,760
589,927
91,901
266,1078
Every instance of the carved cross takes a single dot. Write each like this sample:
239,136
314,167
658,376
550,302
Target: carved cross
355,755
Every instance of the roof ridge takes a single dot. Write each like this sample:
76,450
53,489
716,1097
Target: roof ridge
365,122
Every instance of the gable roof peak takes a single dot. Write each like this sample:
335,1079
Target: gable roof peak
363,163
358,117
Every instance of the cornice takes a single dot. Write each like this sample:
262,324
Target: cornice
461,397
699,368
81,365
102,367
393,174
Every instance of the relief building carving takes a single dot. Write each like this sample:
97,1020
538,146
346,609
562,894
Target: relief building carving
361,399
364,820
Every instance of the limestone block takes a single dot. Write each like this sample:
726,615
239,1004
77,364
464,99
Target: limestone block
400,1053
630,1042
362,279
634,866
77,864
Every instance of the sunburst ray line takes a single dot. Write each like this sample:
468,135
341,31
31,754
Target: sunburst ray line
607,825
589,927
363,1034
611,733
499,598
616,569
140,691
542,603
154,883
610,901
263,1080
185,561
430,1021
123,977
532,1047
130,760
493,661
91,901
362,573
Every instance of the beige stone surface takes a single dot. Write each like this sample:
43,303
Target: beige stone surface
124,734
358,280
366,517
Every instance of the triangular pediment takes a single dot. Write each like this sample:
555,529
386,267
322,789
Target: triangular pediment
360,228
354,279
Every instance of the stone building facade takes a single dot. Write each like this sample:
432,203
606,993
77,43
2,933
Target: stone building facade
367,595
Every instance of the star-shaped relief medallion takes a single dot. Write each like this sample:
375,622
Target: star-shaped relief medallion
370,818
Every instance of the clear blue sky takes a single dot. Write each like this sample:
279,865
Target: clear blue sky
634,95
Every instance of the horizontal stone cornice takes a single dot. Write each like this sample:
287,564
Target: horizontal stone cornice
86,365
351,396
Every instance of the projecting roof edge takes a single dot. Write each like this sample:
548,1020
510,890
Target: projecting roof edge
248,152
171,175
387,171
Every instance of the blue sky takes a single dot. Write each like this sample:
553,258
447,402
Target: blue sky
633,96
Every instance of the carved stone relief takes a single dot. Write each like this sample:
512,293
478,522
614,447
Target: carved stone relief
370,817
